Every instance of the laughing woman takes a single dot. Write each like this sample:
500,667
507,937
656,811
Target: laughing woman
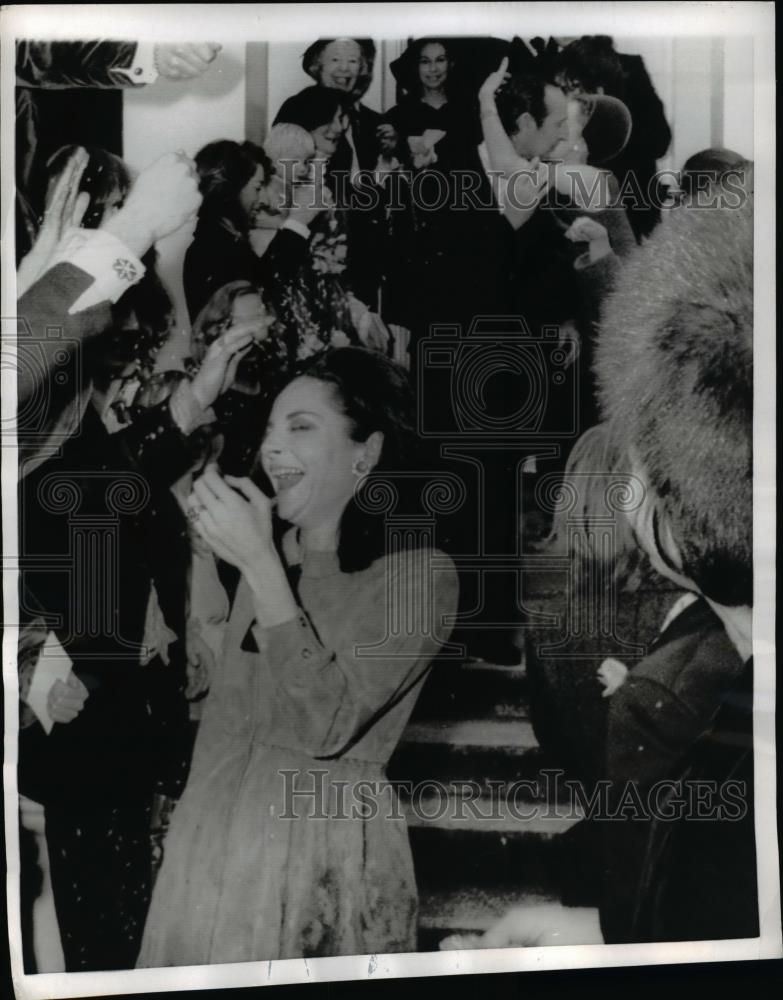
271,854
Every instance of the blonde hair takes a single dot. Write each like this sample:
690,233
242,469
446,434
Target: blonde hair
288,142
596,483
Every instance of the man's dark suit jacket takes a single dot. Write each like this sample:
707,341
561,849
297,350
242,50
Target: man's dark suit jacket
683,714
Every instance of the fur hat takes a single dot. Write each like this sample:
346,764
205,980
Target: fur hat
674,369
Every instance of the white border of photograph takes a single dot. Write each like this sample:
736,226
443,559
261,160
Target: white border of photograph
304,23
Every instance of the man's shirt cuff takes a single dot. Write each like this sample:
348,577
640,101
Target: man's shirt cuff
100,254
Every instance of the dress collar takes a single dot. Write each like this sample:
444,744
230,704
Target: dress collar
314,564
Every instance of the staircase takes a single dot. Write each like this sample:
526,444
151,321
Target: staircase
482,847
483,837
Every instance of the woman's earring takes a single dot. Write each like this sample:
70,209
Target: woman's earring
360,467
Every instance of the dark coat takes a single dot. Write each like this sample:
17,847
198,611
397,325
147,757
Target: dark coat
366,230
98,526
684,714
217,257
649,141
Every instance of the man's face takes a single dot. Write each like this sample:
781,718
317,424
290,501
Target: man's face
541,140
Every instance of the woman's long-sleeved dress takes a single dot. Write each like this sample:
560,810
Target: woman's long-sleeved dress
271,853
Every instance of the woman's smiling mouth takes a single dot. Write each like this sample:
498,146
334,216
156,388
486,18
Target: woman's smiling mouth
285,477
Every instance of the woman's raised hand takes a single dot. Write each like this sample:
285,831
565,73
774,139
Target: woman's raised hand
65,211
219,367
387,138
234,517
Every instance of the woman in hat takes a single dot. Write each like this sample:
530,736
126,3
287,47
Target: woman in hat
344,66
434,122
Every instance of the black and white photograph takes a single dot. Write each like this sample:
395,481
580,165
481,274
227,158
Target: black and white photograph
388,491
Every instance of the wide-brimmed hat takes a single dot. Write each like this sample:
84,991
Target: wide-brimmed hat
607,129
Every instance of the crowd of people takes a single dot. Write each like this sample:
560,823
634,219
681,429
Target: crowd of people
210,594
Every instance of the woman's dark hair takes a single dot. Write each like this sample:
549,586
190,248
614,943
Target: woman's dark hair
104,177
406,68
591,62
312,107
224,168
375,395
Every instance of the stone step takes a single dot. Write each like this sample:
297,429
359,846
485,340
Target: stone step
522,860
473,689
458,812
477,750
463,736
467,911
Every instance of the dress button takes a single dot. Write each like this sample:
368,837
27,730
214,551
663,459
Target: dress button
306,653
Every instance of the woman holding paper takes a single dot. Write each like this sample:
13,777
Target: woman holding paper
433,123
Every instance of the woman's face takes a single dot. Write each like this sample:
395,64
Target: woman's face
327,136
249,310
433,66
302,169
340,65
308,455
251,192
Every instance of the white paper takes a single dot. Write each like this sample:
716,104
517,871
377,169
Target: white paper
53,664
